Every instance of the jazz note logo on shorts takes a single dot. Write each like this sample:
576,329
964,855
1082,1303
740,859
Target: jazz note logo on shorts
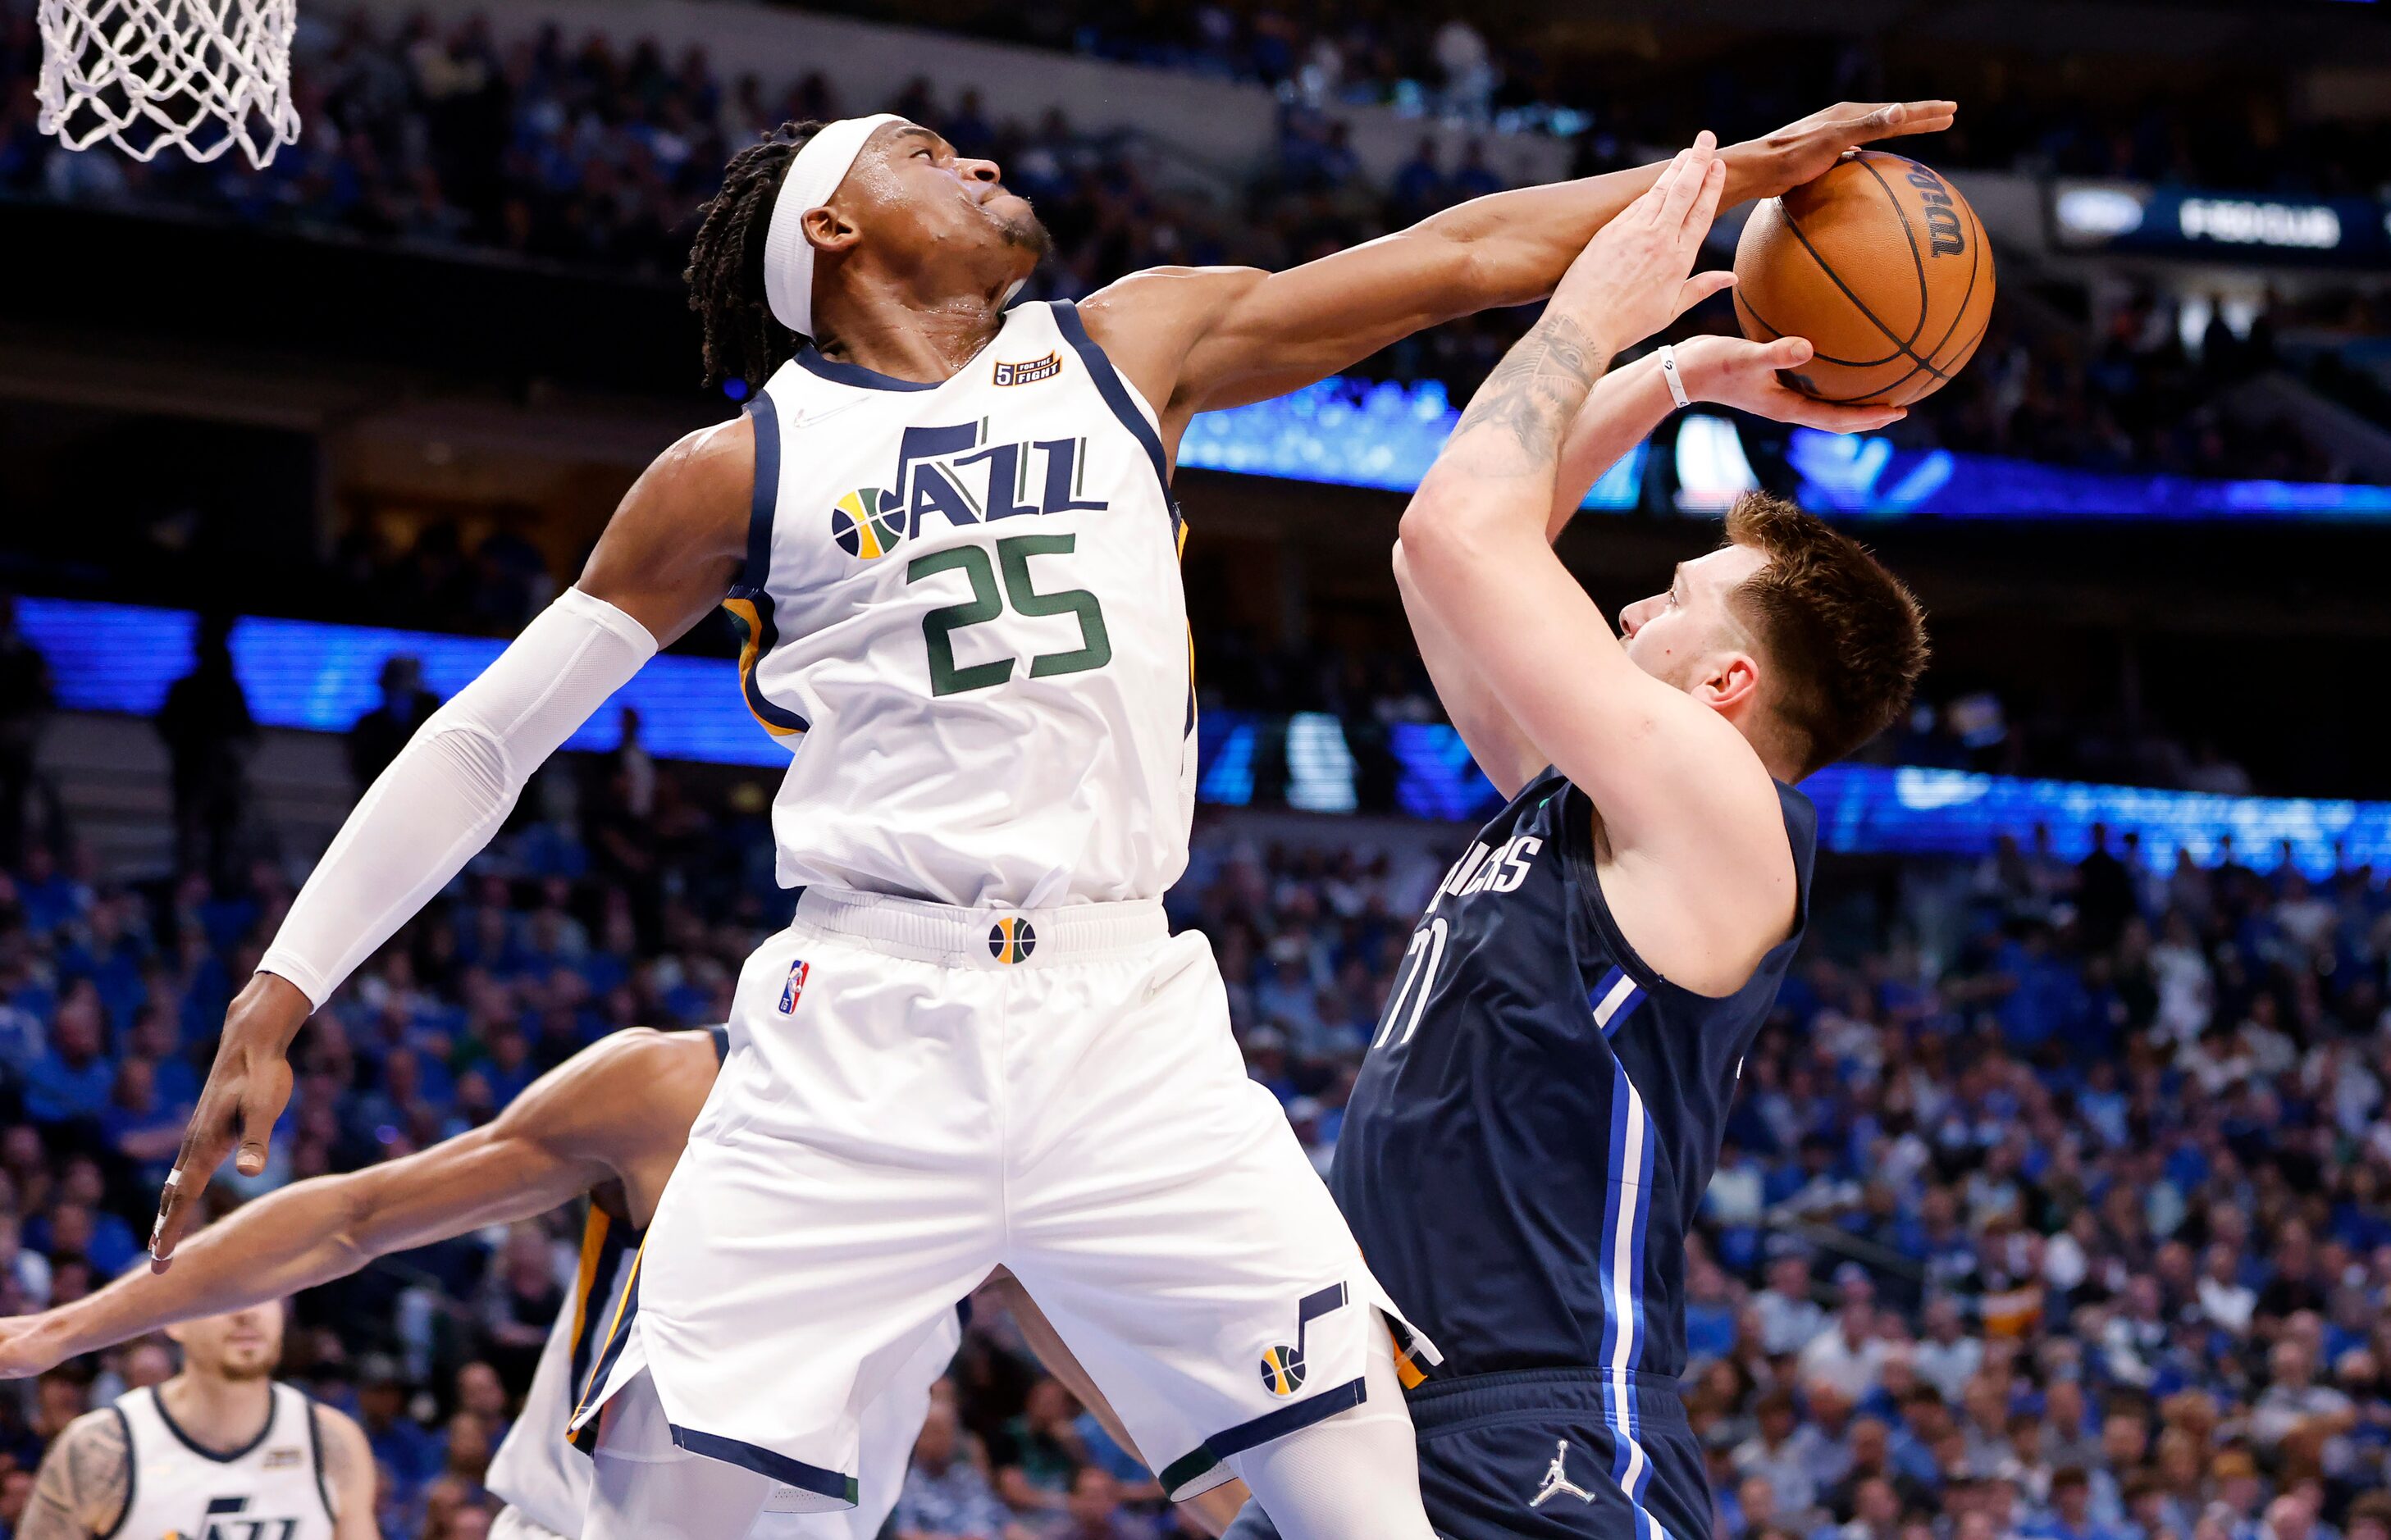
795,987
1282,1368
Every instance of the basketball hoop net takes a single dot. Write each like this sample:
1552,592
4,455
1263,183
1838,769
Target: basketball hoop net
200,75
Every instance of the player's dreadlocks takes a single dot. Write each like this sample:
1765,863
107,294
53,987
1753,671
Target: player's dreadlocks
726,262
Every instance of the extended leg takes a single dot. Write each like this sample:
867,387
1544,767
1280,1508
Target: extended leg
644,1488
1355,1476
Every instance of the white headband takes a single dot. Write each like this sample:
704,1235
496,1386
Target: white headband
813,176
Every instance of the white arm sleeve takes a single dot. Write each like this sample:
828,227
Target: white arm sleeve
451,787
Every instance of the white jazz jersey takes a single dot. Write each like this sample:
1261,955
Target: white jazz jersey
545,1481
963,618
272,1490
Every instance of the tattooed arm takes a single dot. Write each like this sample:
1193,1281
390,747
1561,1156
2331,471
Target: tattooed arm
1690,822
348,1473
81,1489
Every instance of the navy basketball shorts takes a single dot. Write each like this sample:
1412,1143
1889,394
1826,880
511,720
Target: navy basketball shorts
1551,1454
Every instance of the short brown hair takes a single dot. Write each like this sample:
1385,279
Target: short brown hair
1848,639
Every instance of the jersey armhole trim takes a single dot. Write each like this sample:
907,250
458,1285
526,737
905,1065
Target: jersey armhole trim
764,419
1577,825
1117,394
1577,841
131,1476
749,602
315,1453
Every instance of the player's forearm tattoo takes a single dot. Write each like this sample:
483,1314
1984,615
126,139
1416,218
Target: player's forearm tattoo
81,1488
1533,394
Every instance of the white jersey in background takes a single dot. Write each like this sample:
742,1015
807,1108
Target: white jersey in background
271,1490
545,1481
965,618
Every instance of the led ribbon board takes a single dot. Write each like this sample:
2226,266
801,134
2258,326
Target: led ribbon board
321,677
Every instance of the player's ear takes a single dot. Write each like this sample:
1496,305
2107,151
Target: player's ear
1729,683
828,230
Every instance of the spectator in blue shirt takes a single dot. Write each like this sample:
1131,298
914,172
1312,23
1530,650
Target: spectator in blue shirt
409,1450
75,1078
947,1496
2071,1511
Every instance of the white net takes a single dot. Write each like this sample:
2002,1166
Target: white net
200,75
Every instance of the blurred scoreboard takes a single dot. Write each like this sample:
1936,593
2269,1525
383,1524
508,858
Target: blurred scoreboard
2180,222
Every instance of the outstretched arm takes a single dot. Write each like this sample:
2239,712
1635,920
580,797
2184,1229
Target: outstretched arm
83,1481
666,557
1619,413
1683,798
544,1149
1196,339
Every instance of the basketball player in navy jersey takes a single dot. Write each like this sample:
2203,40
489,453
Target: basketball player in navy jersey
1543,1100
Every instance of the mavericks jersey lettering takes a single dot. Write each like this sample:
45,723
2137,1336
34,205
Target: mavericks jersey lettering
963,618
1539,1112
271,1490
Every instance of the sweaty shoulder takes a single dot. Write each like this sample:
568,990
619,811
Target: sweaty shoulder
676,540
1148,320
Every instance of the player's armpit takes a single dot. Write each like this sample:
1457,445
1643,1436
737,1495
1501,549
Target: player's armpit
674,546
81,1490
348,1473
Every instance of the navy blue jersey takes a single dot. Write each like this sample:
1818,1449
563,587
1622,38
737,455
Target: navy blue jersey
1539,1112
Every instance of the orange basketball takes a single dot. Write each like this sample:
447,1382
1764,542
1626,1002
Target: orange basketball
1882,265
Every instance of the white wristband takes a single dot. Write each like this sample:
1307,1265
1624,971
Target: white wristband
1669,373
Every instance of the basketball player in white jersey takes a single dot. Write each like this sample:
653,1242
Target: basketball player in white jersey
947,529
220,1451
609,1122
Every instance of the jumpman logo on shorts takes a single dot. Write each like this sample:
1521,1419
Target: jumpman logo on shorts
1556,1480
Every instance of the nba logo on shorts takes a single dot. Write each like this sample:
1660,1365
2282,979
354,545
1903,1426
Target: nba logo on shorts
795,987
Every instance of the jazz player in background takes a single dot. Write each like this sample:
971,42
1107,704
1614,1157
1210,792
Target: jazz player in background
945,526
220,1451
1543,1104
608,1123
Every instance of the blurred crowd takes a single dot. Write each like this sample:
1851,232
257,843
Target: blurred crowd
595,152
2057,1205
2133,394
1624,84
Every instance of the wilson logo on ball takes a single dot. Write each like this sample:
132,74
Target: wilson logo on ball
1941,219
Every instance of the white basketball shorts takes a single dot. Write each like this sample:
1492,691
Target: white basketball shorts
915,1093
